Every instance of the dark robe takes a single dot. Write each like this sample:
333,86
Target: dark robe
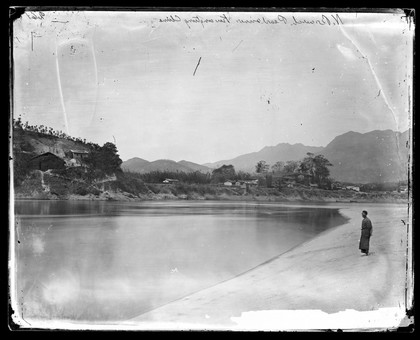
366,234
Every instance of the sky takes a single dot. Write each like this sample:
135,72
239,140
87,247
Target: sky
207,86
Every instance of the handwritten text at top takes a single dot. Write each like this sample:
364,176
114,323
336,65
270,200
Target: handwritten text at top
320,20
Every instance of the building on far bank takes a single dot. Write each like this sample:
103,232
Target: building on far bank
76,158
46,161
403,188
169,181
79,154
252,182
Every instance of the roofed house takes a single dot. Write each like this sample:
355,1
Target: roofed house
46,161
79,154
76,157
169,181
252,182
404,188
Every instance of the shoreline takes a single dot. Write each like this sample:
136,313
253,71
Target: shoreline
163,198
313,275
45,186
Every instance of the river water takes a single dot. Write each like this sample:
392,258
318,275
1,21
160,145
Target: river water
109,261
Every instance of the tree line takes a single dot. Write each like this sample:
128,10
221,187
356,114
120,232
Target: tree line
48,131
310,170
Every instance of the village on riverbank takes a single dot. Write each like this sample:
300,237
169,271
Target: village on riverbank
49,164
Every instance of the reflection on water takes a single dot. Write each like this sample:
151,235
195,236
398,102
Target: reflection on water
114,260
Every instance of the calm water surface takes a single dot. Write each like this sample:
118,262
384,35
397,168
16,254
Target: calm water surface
102,261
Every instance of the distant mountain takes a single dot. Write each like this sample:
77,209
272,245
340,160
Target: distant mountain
134,164
271,154
376,156
143,166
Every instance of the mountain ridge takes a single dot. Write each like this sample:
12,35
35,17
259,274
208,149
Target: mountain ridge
140,165
271,154
374,156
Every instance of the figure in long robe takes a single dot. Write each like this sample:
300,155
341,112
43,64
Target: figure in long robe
366,233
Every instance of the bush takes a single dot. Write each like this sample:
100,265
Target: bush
130,184
153,188
21,167
159,176
165,190
81,190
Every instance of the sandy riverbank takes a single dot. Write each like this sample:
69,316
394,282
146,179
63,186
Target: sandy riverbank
323,283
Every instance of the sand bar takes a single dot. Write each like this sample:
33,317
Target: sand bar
326,275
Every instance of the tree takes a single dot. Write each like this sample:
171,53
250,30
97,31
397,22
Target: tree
242,175
291,167
308,166
223,173
277,167
322,172
261,167
316,167
105,159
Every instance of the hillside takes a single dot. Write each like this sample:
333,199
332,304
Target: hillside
49,164
38,143
134,164
142,166
271,154
376,156
165,165
372,157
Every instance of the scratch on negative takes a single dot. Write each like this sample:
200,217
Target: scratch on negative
197,66
96,76
60,89
237,46
378,83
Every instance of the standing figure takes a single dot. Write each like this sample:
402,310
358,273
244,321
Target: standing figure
366,233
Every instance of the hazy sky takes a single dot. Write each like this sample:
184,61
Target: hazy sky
128,76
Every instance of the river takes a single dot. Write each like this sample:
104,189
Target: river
109,261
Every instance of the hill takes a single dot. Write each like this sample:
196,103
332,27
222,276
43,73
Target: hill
271,154
37,143
134,164
143,166
165,165
376,156
49,164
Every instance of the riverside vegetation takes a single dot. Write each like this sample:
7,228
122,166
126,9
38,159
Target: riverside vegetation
100,176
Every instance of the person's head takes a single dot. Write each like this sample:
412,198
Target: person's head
364,213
